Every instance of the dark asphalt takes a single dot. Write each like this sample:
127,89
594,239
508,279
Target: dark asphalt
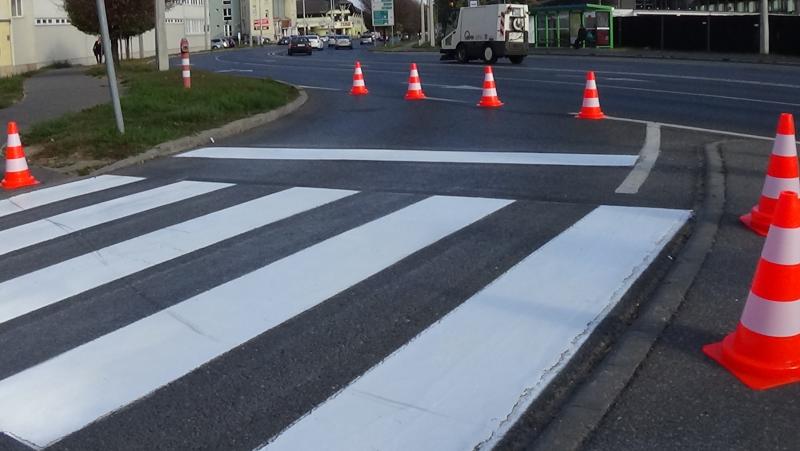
679,399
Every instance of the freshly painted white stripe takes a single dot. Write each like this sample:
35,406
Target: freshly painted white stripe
421,156
462,383
186,74
784,146
647,159
774,319
55,283
320,88
59,225
440,99
782,246
591,102
16,164
60,396
773,186
58,193
695,129
13,140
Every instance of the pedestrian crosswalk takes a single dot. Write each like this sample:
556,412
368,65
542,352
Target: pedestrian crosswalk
459,383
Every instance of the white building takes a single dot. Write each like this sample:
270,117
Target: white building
36,33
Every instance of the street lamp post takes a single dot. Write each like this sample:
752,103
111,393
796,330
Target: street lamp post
110,71
305,19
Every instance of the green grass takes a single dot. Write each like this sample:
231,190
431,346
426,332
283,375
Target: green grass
11,90
156,109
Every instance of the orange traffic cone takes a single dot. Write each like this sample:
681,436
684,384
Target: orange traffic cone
591,100
489,97
414,85
764,351
782,175
17,173
359,87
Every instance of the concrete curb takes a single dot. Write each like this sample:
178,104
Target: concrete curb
586,408
204,137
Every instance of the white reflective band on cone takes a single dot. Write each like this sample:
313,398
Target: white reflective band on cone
490,92
770,318
414,73
358,82
774,185
591,84
591,102
489,77
415,87
358,70
782,246
16,165
13,140
784,146
185,61
187,74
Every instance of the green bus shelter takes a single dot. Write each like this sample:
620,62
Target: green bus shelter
557,25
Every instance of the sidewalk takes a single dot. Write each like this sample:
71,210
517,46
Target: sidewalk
681,399
753,58
54,93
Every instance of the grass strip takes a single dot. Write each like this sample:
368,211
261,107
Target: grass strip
156,109
11,90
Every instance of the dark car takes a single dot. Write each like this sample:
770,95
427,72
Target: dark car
284,41
299,44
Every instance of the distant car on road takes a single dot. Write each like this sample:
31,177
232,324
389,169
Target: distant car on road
284,41
314,41
344,42
331,40
299,44
217,44
366,39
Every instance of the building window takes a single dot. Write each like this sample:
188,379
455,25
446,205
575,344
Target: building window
16,8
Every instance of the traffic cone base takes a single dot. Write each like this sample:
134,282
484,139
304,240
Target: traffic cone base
17,173
489,97
756,221
750,372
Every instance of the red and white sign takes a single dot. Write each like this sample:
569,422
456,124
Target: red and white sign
259,23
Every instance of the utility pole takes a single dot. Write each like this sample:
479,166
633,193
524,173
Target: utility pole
764,28
431,27
305,19
112,76
161,36
206,30
421,22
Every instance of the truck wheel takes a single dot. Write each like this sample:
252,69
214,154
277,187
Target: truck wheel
461,54
489,57
516,59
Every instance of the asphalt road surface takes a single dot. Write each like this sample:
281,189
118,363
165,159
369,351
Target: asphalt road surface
369,272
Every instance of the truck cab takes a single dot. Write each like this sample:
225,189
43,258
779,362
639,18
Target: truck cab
489,32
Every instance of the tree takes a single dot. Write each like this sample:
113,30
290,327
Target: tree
126,18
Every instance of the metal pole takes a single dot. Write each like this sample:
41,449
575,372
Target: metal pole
421,21
206,30
161,36
431,27
112,76
260,23
305,19
764,28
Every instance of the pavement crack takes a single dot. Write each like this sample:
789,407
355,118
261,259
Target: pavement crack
190,326
398,403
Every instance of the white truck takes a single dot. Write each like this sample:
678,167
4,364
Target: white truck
489,32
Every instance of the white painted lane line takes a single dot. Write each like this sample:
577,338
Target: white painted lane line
319,88
58,193
694,129
419,156
647,159
59,225
55,283
464,381
225,71
440,99
44,403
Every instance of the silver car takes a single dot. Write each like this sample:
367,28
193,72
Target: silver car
344,42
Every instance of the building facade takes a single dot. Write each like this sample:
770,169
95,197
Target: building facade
269,19
325,17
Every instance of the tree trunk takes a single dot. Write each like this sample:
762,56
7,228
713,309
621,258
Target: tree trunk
115,51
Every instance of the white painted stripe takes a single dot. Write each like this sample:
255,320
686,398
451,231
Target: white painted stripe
464,380
773,319
490,92
58,193
321,88
689,127
782,246
13,140
185,61
421,156
186,74
647,159
773,186
784,146
46,402
55,283
16,164
591,84
591,102
83,218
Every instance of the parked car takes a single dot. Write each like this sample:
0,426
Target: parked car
344,42
284,40
314,41
217,44
299,44
366,39
331,40
324,39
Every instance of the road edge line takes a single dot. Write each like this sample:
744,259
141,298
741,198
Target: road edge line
580,416
651,149
204,137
